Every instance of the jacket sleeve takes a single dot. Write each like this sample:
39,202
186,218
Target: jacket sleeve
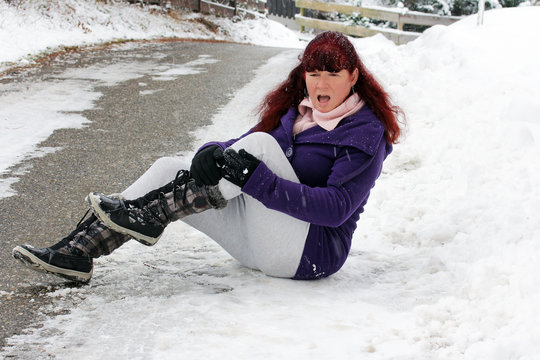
329,206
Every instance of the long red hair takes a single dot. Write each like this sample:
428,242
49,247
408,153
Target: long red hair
329,51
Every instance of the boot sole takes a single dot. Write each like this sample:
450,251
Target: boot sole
104,218
35,263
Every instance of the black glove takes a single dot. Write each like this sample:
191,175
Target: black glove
237,167
205,168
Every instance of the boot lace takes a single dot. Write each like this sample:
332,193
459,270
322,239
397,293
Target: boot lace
81,226
179,192
182,178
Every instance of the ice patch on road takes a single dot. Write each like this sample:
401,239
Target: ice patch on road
5,187
109,75
190,68
149,92
31,111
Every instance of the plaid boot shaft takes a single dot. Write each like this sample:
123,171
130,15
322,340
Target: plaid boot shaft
98,240
192,199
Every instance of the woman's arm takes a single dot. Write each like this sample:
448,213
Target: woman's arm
327,206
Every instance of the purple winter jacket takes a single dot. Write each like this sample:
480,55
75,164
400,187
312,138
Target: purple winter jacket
337,170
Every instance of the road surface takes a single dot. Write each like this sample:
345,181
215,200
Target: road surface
133,122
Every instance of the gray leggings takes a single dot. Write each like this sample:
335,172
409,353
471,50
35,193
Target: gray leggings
258,237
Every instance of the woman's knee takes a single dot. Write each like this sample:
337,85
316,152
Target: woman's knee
266,148
261,136
258,143
168,164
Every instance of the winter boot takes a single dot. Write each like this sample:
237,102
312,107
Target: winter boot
60,259
145,218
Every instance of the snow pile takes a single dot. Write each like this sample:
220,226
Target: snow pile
445,261
456,211
30,28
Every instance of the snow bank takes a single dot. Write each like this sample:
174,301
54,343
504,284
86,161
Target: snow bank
456,207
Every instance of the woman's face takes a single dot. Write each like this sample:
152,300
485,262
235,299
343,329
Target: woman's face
327,90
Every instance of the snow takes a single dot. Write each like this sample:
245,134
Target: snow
445,260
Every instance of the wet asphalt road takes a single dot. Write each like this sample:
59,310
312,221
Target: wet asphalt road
128,131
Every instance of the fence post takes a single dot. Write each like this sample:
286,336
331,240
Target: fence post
399,23
481,7
302,12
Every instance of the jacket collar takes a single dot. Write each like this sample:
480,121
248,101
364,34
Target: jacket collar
361,130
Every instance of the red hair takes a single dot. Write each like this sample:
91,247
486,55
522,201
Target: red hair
329,51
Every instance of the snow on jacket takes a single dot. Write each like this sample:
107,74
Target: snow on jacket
337,170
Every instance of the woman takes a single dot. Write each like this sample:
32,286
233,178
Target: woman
283,198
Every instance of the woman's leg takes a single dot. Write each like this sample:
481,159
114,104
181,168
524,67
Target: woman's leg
71,257
256,236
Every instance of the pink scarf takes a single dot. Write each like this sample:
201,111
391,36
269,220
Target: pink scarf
310,117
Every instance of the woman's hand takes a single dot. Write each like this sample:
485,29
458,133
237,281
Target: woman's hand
205,168
238,166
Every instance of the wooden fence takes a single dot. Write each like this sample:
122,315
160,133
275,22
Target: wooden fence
398,16
283,8
225,8
309,8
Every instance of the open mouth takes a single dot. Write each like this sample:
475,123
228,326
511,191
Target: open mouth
323,98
